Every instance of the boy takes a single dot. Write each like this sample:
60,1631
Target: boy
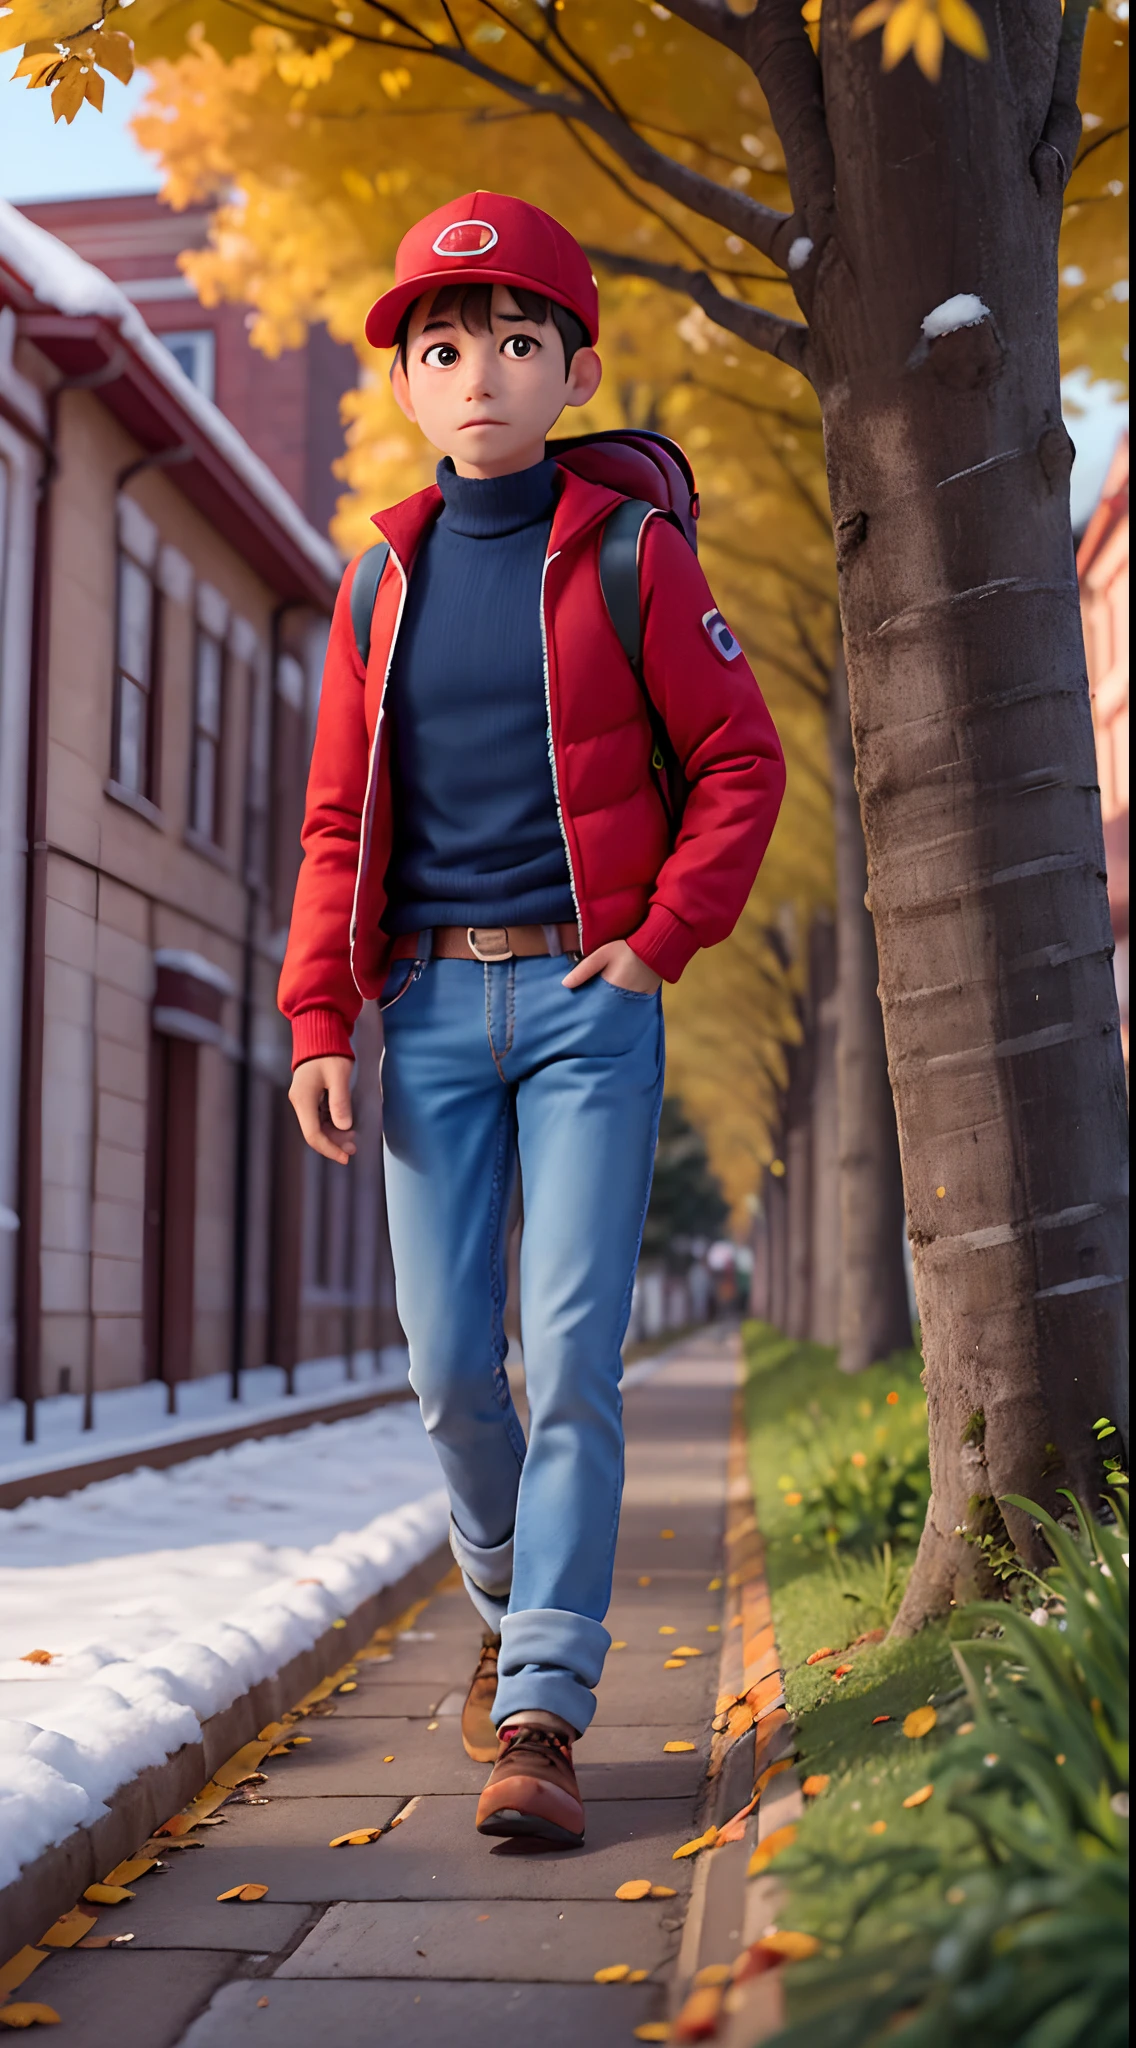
483,815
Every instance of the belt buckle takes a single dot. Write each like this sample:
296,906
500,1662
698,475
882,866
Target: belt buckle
481,937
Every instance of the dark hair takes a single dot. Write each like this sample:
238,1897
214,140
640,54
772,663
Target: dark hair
473,305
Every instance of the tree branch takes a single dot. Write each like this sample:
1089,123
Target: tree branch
1051,164
713,18
780,55
785,339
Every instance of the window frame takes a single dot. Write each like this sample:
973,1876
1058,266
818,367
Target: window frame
213,838
145,792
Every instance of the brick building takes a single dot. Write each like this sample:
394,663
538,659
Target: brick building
163,612
288,409
1102,570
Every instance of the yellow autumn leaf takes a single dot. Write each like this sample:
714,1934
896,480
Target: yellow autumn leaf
712,1974
652,2030
692,1848
900,31
107,1894
871,17
68,92
128,1872
663,1891
68,1929
244,1764
929,46
635,1888
25,2015
356,1839
38,68
351,1686
667,1630
919,1722
676,1748
785,1763
796,1948
962,25
113,51
57,19
636,1976
247,1892
19,1967
613,1974
815,1785
773,1845
686,1650
921,1797
674,1664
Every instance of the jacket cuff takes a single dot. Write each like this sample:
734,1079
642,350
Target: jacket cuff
319,1034
663,942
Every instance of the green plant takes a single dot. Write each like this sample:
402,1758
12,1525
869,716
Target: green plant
873,1588
1016,1938
864,1483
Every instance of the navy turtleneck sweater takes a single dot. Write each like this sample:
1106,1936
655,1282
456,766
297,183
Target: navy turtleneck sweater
476,836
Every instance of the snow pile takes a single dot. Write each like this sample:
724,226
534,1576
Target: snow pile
964,310
150,1631
61,279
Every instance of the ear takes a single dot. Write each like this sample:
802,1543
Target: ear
400,385
584,375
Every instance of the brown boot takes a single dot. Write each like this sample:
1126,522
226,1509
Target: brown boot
479,1736
532,1789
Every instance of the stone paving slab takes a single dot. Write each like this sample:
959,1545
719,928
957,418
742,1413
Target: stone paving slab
526,1941
180,1916
417,2015
111,1998
438,1847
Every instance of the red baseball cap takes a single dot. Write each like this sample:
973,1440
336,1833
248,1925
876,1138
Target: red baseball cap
487,238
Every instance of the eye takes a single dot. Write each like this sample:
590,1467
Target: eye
442,356
518,346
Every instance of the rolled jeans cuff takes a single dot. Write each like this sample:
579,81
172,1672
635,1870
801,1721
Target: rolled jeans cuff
550,1659
488,1574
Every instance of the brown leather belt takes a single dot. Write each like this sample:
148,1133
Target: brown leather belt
490,943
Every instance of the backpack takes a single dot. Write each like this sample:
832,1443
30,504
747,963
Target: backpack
655,475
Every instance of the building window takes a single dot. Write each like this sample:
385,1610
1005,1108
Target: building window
195,353
138,624
208,714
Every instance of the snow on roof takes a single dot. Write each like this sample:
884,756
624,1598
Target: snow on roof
62,281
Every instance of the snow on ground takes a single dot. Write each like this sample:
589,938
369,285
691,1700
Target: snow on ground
135,1418
162,1596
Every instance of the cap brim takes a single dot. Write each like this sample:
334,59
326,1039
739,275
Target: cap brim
386,314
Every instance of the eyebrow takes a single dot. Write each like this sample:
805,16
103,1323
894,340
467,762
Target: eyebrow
443,320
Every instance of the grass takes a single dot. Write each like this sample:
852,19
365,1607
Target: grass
824,1595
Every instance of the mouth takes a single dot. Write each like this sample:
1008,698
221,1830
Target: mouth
482,423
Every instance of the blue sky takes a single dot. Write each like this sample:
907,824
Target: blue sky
98,154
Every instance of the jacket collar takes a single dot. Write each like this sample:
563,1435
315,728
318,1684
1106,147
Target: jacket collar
580,506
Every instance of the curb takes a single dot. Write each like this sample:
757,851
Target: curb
50,1884
753,1734
70,1478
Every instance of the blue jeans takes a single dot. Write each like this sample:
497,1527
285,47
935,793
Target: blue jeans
486,1067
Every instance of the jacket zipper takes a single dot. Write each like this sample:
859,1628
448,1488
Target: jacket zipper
371,763
548,560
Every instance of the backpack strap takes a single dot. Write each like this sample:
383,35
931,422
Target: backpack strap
364,590
619,583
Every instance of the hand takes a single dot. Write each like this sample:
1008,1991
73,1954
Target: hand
616,963
321,1097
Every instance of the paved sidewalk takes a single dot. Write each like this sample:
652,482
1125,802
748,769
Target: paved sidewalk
431,1934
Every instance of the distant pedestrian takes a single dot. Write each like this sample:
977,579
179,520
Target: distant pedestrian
519,769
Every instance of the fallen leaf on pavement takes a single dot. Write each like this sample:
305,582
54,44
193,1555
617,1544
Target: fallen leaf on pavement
734,1829
19,1968
273,1732
693,1847
243,1765
687,1650
675,1664
351,1686
619,1646
919,1721
663,1891
635,1888
763,1855
667,1533
819,1656
261,2003
698,2020
38,1657
785,1763
356,1839
666,1630
879,1719
68,1929
133,1868
297,1739
921,1797
711,1974
614,1974
787,1943
652,2030
878,1827
715,1586
814,1786
407,1810
247,1892
28,2016
676,1748
636,1976
106,1941
107,1894
645,1580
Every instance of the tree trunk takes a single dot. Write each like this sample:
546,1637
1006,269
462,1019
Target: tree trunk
825,1175
776,1209
949,470
874,1316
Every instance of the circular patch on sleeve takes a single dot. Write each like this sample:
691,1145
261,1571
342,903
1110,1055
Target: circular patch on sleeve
721,638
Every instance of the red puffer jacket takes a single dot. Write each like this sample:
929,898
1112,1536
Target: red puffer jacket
627,881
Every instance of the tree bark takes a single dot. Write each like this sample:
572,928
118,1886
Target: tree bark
875,1319
825,1173
949,471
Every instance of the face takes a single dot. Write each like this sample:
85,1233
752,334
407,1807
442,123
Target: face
489,400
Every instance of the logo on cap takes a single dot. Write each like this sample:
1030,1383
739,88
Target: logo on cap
465,238
720,636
